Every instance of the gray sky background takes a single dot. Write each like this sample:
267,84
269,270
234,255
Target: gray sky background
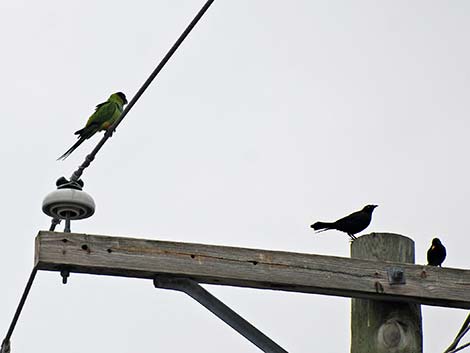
272,115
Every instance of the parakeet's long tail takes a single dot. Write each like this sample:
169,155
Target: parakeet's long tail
71,149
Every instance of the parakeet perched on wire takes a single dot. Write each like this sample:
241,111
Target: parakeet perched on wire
104,116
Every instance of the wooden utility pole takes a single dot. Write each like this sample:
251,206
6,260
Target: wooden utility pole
253,268
386,286
386,326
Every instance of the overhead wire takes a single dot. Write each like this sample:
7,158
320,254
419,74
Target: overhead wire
463,330
460,348
89,158
5,347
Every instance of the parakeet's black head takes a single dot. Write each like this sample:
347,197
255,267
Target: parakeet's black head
122,96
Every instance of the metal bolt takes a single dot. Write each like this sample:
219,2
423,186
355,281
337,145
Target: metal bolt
65,274
396,275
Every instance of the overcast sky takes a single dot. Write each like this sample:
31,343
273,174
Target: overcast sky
272,115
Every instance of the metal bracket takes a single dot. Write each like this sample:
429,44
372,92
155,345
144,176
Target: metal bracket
230,317
396,275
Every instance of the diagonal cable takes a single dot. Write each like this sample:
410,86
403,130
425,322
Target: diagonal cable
463,330
78,173
5,347
460,348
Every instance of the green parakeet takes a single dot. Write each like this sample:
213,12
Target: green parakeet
104,116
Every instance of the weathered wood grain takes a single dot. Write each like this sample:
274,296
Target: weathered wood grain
385,326
263,269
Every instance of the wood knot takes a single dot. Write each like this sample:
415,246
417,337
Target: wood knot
393,336
378,287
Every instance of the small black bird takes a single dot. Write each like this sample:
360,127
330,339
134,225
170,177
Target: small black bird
436,253
354,223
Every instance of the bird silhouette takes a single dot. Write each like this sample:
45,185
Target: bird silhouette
436,253
352,224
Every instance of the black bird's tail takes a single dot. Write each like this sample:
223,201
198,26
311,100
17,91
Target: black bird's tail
321,226
71,149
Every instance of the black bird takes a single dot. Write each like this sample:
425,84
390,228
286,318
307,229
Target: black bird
436,253
354,223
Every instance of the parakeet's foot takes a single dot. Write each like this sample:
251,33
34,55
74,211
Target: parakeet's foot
109,132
